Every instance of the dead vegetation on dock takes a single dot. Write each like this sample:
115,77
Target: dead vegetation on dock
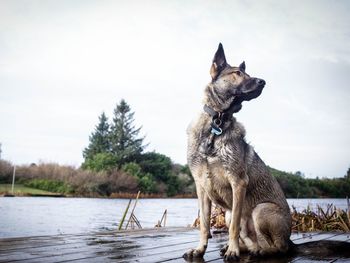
329,219
308,220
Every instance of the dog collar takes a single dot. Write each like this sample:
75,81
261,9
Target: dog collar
218,118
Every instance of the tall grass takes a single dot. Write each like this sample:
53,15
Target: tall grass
69,180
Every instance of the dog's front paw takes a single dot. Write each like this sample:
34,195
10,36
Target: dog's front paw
223,250
194,253
231,254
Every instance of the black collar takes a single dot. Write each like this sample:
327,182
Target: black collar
219,117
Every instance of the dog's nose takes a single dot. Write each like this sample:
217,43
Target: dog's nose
260,82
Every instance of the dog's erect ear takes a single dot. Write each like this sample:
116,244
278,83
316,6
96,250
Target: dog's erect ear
242,66
219,62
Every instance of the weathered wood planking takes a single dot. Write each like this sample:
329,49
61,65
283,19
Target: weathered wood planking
148,245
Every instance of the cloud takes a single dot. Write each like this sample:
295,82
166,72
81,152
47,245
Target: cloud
63,63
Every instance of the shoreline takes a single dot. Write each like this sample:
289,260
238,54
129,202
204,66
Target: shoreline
113,196
133,196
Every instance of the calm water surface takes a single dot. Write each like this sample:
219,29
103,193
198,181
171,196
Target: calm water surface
33,216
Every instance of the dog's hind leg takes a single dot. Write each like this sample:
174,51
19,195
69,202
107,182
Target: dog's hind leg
272,229
248,235
205,211
242,248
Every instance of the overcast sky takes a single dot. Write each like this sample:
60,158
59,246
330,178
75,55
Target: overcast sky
64,62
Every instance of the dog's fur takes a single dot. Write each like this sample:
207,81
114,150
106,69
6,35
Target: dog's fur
228,172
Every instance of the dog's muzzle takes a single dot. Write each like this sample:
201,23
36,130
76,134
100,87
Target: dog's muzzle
260,82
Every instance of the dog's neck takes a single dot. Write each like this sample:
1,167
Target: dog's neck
220,103
218,119
220,107
215,100
225,115
216,106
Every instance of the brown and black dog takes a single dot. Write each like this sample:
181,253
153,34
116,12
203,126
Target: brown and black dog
228,172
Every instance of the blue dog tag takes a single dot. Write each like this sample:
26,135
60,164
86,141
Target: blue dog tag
216,131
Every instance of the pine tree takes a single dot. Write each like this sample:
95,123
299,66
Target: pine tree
99,139
125,143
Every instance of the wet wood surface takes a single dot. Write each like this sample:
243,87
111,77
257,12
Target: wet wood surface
147,245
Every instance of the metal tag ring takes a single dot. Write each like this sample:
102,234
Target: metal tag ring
217,122
217,131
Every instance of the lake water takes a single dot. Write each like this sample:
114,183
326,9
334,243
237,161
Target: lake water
34,216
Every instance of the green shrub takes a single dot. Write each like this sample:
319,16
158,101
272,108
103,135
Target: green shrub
159,165
147,184
49,185
132,169
100,162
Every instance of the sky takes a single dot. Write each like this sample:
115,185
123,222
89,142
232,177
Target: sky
62,63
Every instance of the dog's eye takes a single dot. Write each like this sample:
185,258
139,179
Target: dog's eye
238,73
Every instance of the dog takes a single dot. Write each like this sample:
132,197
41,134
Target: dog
228,172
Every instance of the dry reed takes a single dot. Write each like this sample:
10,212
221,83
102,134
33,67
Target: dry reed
329,219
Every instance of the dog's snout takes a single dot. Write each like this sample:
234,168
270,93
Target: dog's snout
260,82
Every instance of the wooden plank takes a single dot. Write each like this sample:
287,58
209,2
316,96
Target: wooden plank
308,260
160,248
149,245
7,243
103,249
316,237
214,255
151,254
303,236
146,250
70,253
175,253
44,256
324,236
63,258
115,241
34,243
342,260
30,243
90,260
210,255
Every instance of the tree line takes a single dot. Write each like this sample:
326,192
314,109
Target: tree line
115,161
295,185
118,183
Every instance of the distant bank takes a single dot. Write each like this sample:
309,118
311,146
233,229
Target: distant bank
21,190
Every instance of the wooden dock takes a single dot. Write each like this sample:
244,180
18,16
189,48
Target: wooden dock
148,245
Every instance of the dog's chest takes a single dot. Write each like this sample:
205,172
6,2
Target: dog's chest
216,185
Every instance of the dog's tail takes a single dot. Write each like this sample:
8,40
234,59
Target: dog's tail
321,249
